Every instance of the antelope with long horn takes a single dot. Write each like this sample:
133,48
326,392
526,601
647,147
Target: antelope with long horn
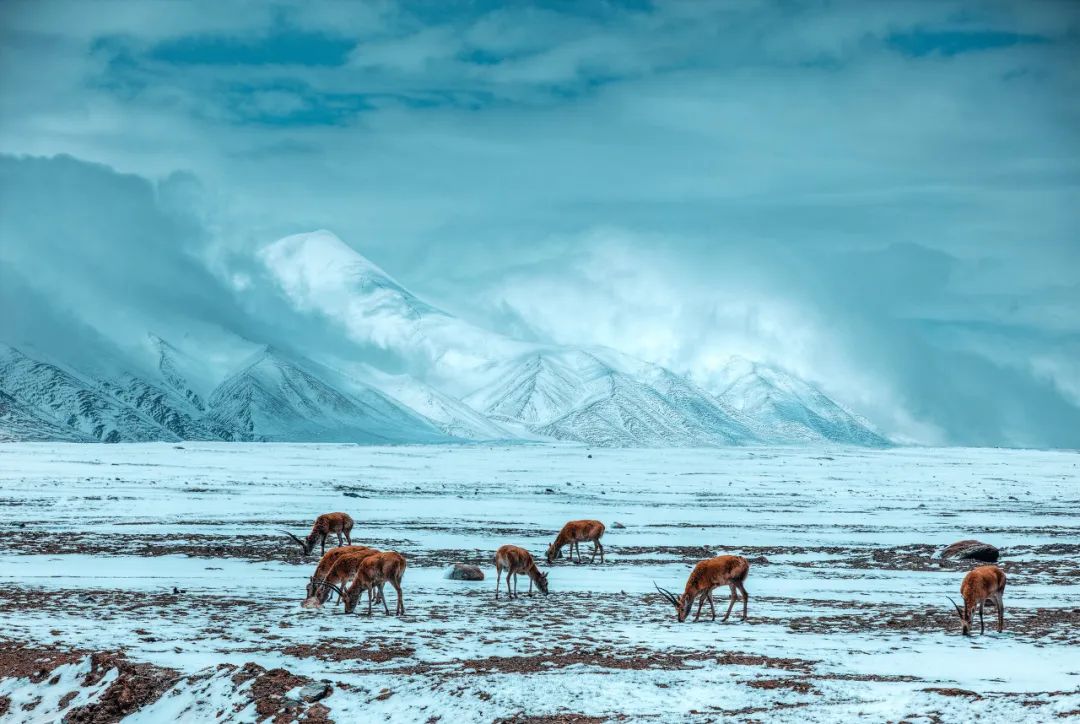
315,589
572,534
982,584
515,561
341,572
372,573
730,571
325,524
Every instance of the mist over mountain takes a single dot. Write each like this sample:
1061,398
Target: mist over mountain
131,337
133,320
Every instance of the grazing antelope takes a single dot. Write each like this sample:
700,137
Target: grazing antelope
372,574
572,534
324,525
709,574
315,589
516,561
343,570
982,584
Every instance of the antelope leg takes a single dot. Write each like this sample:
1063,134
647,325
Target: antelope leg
731,603
701,602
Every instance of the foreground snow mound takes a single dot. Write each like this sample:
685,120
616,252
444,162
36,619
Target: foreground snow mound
46,685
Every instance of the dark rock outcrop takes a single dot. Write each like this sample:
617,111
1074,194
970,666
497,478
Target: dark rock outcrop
972,550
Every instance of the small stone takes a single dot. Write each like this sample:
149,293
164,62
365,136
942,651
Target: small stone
465,572
617,525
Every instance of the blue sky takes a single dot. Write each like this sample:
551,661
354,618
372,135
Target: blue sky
881,196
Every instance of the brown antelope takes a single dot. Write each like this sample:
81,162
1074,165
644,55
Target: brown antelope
516,561
982,584
324,525
341,573
372,574
708,574
315,589
572,534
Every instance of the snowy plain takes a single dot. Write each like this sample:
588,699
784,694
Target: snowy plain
848,614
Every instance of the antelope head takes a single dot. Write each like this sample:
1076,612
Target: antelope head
351,600
317,589
326,587
682,607
542,582
965,622
553,552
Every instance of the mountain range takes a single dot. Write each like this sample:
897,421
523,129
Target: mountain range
433,377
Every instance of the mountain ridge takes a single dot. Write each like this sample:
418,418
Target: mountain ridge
464,382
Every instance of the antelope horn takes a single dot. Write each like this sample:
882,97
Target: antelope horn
303,546
667,594
332,587
958,609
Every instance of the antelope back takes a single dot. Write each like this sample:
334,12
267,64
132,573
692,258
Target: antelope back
514,558
718,571
334,554
982,582
349,564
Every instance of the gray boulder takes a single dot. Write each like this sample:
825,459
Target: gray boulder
465,572
315,691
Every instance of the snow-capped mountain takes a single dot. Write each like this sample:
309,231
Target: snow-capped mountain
783,408
436,378
602,398
274,398
75,403
452,416
322,275
24,422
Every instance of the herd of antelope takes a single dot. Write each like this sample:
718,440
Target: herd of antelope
351,570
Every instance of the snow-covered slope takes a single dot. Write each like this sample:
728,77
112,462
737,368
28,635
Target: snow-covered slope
321,274
783,408
73,402
20,422
452,416
602,398
165,407
272,397
275,398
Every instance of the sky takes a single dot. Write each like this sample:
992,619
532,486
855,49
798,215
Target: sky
883,198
